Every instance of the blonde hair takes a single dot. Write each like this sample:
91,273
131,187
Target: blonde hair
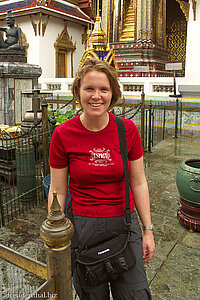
100,66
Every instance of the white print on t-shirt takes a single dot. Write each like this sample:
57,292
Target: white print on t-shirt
100,157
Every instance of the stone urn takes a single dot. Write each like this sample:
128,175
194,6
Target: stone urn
188,184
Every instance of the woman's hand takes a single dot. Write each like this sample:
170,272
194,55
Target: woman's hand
148,245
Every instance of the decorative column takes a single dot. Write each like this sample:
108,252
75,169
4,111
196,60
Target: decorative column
115,20
144,20
139,20
105,16
56,233
149,20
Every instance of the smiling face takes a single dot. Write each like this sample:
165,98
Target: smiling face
95,94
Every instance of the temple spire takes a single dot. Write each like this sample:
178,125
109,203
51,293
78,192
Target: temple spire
98,36
129,31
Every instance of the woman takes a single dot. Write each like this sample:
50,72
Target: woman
88,147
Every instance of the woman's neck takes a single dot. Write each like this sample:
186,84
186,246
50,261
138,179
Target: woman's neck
95,123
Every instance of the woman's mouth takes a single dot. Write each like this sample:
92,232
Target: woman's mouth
96,104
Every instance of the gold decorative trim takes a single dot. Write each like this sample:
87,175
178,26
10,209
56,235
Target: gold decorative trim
43,2
39,24
24,42
85,38
33,24
44,25
185,7
64,44
86,55
110,59
194,6
37,27
64,41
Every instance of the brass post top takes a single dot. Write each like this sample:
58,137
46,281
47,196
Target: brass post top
56,231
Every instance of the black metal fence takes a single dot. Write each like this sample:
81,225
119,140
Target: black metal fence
23,166
24,154
157,119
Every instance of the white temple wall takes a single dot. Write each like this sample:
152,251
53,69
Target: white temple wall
192,48
47,59
41,50
33,50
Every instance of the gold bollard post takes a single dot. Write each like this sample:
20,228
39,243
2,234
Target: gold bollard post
56,232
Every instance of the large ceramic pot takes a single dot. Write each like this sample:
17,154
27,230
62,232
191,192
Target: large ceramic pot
188,184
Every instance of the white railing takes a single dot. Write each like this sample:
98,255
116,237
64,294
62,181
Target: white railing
150,86
157,88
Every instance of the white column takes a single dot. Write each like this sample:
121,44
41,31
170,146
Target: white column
192,71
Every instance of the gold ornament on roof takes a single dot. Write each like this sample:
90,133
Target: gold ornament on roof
98,36
185,7
97,46
129,31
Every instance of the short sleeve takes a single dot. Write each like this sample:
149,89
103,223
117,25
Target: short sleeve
134,144
57,153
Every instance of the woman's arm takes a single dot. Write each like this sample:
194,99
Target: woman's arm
59,184
140,193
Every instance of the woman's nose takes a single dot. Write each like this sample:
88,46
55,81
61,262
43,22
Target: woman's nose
96,94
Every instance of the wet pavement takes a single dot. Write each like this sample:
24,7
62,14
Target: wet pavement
174,271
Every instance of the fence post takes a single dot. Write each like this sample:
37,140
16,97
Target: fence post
56,232
1,210
164,120
123,107
74,103
45,136
176,120
181,116
35,103
149,139
142,117
58,101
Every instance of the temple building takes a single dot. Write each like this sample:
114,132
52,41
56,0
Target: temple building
137,36
146,34
52,31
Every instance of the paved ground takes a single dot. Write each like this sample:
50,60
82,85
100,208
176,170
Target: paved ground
174,272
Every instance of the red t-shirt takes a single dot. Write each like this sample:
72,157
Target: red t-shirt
95,165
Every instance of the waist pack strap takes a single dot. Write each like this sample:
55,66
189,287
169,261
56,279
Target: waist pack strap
110,270
123,150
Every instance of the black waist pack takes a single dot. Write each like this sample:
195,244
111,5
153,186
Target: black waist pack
106,261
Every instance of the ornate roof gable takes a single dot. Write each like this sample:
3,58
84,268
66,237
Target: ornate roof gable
59,8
